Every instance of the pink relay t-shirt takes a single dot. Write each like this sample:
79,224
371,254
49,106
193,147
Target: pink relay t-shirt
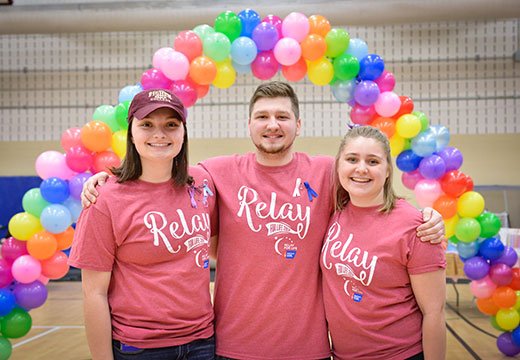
366,260
268,300
156,244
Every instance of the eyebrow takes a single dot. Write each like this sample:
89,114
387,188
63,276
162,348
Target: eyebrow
260,112
369,155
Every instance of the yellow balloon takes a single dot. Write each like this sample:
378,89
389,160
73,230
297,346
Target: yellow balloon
320,72
408,126
450,225
24,225
396,145
508,319
516,306
470,204
119,143
226,75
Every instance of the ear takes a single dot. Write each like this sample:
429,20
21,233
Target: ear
298,127
249,126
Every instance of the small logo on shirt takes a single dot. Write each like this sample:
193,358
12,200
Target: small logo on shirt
357,297
206,264
290,254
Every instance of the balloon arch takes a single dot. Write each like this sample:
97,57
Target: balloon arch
245,43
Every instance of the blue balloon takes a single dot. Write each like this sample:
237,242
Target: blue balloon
442,135
491,248
54,190
243,50
424,144
249,19
343,90
467,250
516,336
241,69
357,48
408,161
7,301
74,207
129,91
55,218
371,67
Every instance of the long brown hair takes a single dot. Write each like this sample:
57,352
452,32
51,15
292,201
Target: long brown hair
131,168
341,196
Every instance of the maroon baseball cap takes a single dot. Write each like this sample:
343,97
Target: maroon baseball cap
149,100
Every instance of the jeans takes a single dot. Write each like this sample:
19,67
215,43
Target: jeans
203,349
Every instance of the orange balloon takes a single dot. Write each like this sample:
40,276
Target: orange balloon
487,306
504,297
42,245
386,125
446,205
96,136
319,25
64,239
56,266
295,72
203,70
313,47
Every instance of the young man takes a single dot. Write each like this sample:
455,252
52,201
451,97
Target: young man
274,206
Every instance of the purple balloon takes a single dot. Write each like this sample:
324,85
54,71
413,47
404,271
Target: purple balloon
265,36
452,158
501,274
476,268
509,257
432,167
506,345
12,249
31,295
76,184
366,93
6,277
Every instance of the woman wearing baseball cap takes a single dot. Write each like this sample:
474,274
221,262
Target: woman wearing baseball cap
143,247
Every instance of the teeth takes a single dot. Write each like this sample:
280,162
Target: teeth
159,145
360,180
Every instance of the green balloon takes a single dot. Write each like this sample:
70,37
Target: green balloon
493,320
467,229
16,324
5,348
217,46
423,119
346,67
453,240
407,144
490,224
33,202
337,42
229,24
203,31
333,81
121,113
106,114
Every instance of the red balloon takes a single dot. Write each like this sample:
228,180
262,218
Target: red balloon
188,43
105,160
202,90
78,158
13,248
56,266
406,107
454,183
469,183
295,72
515,283
71,137
185,92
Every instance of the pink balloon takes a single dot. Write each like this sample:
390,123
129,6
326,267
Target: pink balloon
265,65
287,51
26,269
362,115
296,26
160,55
52,164
386,81
13,248
185,91
79,159
6,277
483,288
155,79
410,179
71,137
387,104
43,279
501,274
276,22
175,66
426,192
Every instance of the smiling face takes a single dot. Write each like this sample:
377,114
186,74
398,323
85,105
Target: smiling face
362,171
158,138
273,127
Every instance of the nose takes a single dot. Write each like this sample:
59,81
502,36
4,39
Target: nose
159,133
272,123
362,167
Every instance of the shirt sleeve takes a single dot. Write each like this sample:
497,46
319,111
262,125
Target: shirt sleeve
94,244
425,257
